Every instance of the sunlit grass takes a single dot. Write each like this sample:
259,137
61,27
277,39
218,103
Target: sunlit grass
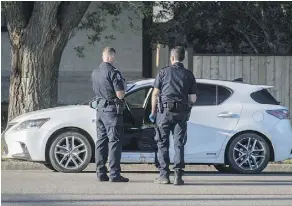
288,161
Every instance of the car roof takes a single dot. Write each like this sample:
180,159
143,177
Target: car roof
234,85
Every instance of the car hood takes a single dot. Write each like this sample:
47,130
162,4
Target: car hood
46,113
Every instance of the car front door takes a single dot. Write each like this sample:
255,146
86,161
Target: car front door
137,102
212,119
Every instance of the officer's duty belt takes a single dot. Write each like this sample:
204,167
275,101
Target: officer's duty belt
175,105
106,102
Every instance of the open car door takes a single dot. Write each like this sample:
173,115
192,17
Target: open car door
138,140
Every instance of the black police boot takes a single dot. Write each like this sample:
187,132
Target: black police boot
162,180
103,178
119,179
178,179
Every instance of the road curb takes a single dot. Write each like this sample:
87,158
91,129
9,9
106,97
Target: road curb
21,165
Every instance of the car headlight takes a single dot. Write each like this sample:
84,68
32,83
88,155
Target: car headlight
33,123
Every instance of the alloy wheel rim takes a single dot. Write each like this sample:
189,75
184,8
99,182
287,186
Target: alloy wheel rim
70,152
249,153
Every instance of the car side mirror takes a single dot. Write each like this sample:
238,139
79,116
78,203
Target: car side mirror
93,104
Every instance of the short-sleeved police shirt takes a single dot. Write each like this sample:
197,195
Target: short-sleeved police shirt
175,83
106,80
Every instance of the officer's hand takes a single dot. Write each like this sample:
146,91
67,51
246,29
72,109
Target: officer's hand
152,117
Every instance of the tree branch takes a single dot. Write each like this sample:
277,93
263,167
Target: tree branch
44,14
247,38
262,25
17,17
17,14
70,14
267,31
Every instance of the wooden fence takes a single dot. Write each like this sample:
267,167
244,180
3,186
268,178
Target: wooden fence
264,70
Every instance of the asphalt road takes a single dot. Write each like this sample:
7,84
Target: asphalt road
202,188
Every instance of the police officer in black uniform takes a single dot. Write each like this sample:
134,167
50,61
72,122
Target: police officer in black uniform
109,88
175,91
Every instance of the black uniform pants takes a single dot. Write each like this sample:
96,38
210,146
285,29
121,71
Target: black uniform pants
177,124
108,145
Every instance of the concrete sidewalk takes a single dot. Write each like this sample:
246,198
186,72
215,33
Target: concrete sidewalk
22,165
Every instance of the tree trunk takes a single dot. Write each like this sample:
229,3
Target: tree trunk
34,76
38,32
147,47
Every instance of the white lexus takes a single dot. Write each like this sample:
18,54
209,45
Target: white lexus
234,126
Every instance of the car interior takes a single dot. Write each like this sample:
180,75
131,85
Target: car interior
138,130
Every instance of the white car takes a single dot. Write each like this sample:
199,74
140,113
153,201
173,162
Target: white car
234,126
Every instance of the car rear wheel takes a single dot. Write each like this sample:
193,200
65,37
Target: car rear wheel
248,153
70,152
223,168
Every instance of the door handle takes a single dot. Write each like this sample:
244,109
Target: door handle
227,115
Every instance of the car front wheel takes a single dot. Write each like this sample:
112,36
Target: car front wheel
50,167
223,168
70,152
248,153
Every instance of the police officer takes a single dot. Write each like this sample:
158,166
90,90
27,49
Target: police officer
174,93
109,88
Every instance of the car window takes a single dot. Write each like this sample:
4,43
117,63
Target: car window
206,94
211,94
264,97
223,94
136,99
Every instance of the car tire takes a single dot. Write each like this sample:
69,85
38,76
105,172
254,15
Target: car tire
67,158
248,153
50,167
223,168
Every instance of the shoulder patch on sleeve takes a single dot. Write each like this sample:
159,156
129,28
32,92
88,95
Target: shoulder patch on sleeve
119,77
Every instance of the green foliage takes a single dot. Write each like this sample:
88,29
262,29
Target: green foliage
79,50
94,23
228,27
209,27
103,16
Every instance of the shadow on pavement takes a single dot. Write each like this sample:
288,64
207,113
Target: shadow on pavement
205,173
225,182
236,183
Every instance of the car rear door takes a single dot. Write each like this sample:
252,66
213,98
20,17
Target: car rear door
212,119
